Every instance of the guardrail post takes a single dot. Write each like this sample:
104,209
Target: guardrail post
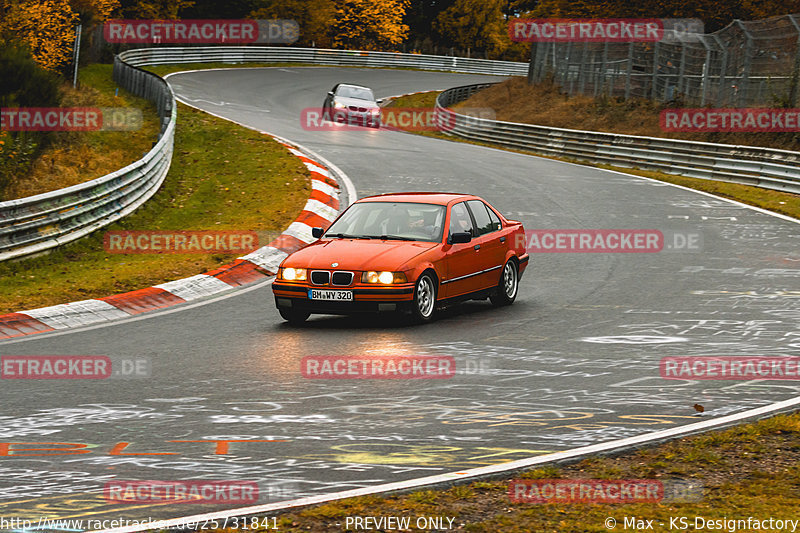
722,92
793,83
744,84
682,70
583,70
629,72
654,89
603,68
532,64
706,73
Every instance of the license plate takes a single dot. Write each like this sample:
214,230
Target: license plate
339,296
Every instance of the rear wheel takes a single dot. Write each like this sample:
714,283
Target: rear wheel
507,288
424,298
293,316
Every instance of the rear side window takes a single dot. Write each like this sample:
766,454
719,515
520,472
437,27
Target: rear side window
460,220
483,222
494,218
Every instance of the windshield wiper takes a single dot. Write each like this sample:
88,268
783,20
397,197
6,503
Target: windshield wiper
342,236
390,237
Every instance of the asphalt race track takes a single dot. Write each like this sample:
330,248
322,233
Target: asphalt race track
573,362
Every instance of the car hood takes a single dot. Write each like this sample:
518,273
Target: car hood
358,102
358,254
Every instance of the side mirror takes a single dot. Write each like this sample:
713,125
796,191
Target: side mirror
317,232
461,237
330,93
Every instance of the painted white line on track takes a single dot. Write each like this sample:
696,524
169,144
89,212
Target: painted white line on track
466,474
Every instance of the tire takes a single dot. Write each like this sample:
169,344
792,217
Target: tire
293,316
508,286
424,307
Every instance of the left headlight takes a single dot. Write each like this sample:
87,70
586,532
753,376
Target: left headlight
338,105
385,278
293,274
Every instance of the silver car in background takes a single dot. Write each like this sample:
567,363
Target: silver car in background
353,105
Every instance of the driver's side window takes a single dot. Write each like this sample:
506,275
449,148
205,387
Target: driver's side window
460,220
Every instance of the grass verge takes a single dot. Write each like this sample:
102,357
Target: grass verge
777,201
751,470
77,157
223,177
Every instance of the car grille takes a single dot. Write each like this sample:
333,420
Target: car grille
320,277
342,278
356,108
325,277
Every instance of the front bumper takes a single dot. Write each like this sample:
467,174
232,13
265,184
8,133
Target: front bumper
355,118
365,299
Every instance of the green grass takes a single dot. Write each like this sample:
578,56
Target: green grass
779,202
223,177
736,482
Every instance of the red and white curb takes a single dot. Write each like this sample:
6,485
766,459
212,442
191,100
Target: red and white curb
320,210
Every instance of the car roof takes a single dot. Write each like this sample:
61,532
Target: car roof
353,85
440,198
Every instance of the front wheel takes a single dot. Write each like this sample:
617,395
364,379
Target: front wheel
506,291
293,316
424,298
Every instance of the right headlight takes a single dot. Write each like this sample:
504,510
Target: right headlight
338,105
293,274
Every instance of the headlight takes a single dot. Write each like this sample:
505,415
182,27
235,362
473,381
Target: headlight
338,105
376,111
386,278
293,274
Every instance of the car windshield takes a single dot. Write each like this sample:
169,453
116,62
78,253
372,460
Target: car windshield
349,91
406,221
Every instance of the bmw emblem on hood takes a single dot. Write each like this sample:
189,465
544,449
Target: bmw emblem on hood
334,264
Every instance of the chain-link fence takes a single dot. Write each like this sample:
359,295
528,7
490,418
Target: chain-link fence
753,63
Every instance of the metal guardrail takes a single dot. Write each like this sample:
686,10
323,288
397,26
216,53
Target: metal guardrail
38,223
750,165
318,56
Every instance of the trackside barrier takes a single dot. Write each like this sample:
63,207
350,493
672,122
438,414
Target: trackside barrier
38,223
750,165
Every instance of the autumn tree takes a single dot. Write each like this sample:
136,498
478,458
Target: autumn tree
93,12
760,9
369,24
313,16
713,13
475,24
47,27
154,9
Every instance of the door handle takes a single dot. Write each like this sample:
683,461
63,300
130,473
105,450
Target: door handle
477,247
502,239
